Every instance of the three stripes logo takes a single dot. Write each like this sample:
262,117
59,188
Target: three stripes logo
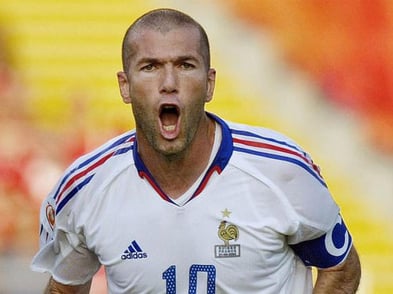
134,251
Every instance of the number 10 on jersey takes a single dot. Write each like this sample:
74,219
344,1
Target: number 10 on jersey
170,277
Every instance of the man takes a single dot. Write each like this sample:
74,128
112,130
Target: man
188,202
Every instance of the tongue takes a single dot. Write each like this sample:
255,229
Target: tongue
169,121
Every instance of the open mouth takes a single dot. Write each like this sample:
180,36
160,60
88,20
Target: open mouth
169,116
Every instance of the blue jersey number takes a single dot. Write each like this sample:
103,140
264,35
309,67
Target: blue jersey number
170,277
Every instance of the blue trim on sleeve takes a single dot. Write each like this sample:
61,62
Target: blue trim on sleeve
328,250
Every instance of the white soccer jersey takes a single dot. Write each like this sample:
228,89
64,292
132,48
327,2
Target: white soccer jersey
261,200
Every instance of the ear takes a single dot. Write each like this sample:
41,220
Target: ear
124,87
211,83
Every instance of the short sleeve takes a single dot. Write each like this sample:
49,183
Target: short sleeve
63,252
321,238
310,199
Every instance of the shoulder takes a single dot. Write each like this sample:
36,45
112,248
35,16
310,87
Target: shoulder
113,147
81,179
253,136
283,165
272,150
79,176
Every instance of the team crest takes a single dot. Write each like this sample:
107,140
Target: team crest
50,215
227,232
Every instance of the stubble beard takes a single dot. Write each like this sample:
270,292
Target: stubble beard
170,150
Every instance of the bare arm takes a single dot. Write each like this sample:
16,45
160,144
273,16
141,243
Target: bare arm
341,279
57,288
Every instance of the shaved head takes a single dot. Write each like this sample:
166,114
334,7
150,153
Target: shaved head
163,21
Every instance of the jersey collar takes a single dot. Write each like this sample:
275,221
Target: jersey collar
219,163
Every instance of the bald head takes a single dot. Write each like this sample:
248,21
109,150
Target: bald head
163,21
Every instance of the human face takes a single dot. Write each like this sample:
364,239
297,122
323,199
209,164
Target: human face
167,85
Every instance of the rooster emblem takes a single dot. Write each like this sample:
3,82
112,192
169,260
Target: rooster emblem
227,232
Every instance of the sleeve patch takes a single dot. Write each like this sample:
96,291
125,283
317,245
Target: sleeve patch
328,250
48,220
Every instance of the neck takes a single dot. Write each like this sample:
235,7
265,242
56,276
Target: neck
176,173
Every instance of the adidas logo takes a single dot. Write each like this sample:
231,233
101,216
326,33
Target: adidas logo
133,251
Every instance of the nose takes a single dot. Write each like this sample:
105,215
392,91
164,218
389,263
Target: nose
169,80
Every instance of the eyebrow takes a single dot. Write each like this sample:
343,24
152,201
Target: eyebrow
177,59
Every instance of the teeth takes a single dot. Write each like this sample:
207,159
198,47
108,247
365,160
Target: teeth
169,128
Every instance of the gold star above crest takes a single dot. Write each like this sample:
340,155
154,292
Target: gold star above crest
226,212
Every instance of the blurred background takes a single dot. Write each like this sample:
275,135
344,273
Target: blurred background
318,71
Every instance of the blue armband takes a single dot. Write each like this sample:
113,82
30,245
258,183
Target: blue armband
328,250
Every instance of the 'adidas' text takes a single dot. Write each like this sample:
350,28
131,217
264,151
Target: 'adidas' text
135,255
134,251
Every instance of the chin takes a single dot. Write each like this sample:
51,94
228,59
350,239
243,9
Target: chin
172,149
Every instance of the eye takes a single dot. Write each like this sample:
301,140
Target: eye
148,67
186,65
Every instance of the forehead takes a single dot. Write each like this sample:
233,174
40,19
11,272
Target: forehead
152,43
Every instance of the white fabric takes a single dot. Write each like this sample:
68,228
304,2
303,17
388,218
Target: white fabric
268,200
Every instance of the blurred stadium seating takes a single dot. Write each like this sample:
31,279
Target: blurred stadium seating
320,74
344,46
